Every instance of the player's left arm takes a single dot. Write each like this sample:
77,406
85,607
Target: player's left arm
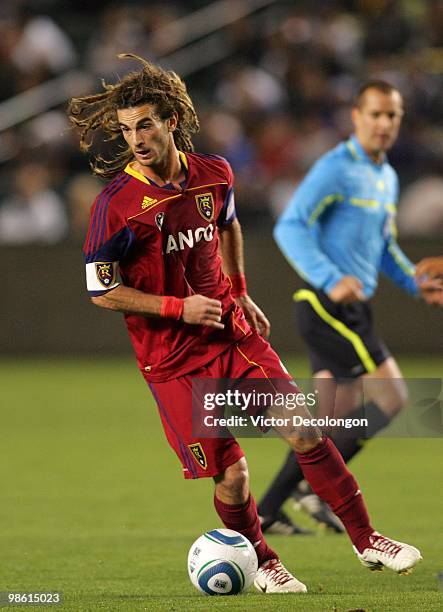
394,264
403,273
429,274
231,250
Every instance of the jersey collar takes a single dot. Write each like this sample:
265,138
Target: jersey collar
358,153
144,179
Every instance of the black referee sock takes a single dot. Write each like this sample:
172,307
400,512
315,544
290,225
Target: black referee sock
352,440
290,474
281,487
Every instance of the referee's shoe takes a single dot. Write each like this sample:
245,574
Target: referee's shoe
305,499
281,524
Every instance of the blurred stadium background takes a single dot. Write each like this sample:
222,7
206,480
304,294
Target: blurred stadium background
272,81
85,475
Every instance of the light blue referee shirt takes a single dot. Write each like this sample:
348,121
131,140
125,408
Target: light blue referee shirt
341,221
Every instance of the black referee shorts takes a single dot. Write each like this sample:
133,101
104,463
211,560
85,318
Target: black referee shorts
340,337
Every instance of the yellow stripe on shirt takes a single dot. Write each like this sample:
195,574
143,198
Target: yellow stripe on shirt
364,203
326,201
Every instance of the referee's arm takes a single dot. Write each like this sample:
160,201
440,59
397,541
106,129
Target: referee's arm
318,191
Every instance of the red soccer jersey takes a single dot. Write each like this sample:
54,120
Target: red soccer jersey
165,242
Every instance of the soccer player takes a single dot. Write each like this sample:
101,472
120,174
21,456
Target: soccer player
163,220
338,233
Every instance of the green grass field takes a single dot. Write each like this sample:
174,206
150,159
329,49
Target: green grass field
93,503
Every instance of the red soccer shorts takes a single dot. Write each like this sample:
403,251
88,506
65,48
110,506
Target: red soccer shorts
252,357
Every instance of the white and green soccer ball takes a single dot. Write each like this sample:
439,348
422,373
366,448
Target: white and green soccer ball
222,562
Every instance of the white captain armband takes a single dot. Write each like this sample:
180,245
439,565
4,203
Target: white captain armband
230,209
101,276
228,212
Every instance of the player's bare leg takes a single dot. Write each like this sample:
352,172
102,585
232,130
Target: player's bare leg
232,486
386,387
333,398
236,508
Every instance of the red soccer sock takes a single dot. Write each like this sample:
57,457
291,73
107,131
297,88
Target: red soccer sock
331,480
244,519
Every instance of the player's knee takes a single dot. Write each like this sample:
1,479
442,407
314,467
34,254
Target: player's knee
323,374
395,399
388,389
401,397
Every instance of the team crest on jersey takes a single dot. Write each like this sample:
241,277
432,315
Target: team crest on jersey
205,205
105,273
198,454
159,217
147,202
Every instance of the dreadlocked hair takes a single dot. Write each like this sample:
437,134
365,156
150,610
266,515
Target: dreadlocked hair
152,85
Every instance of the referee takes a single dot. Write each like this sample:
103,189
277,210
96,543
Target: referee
338,232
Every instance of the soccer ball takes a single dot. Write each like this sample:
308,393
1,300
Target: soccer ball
222,562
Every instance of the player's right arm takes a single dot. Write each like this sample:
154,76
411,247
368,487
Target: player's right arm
294,231
108,242
197,309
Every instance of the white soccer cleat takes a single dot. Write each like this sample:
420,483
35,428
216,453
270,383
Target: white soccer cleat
273,577
384,552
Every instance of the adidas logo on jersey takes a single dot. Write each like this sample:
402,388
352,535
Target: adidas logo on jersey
147,202
189,238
